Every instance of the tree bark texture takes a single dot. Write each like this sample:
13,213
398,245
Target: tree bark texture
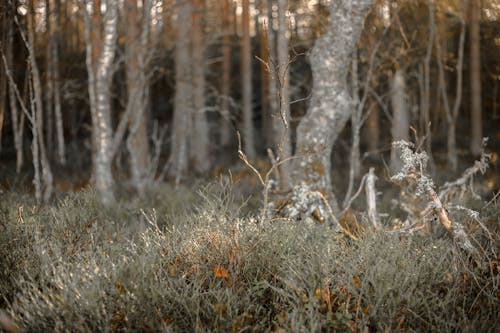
331,103
101,47
246,84
282,121
138,87
475,79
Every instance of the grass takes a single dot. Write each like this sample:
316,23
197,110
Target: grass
176,261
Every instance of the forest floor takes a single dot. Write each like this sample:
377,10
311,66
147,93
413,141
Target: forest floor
199,258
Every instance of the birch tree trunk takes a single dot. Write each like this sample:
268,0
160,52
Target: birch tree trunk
331,103
138,87
282,121
38,105
101,47
246,84
475,79
182,101
400,127
200,136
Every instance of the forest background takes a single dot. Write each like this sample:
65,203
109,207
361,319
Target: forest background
113,114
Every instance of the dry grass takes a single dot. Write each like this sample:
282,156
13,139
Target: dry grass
183,263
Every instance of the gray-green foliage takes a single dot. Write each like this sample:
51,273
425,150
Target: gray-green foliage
179,262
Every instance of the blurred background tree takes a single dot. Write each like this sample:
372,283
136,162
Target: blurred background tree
112,81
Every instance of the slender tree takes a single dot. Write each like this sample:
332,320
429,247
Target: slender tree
226,131
281,122
246,83
400,126
137,33
200,139
37,104
53,91
475,79
17,118
183,101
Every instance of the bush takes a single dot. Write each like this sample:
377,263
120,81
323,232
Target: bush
195,264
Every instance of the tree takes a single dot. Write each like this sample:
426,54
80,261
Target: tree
475,79
451,111
246,83
400,126
226,131
331,103
100,36
281,122
182,101
200,138
137,32
37,105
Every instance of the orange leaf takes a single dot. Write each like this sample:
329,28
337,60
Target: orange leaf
221,272
357,282
120,288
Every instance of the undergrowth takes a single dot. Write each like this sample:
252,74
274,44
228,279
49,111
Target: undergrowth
178,262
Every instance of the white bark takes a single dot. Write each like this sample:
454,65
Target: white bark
371,199
100,77
38,106
331,103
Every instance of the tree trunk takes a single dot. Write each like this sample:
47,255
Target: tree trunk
266,123
400,127
246,84
38,105
54,55
426,110
475,79
226,132
182,102
16,118
200,136
138,87
272,93
100,54
452,111
282,121
331,103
